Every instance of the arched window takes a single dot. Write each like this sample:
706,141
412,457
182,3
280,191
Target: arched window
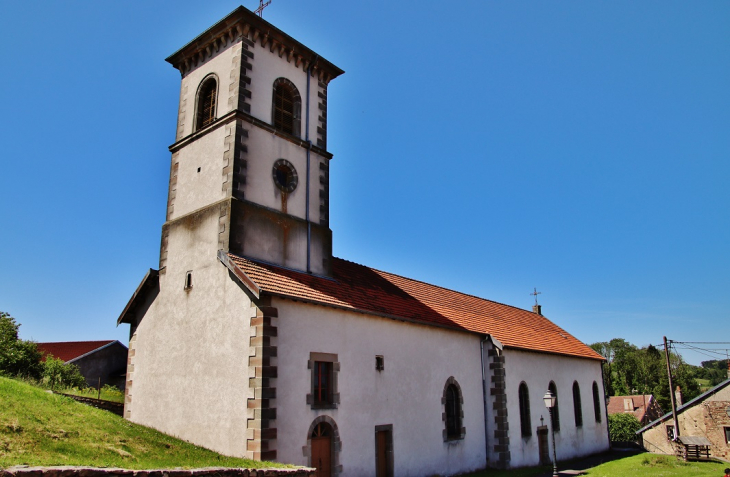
556,413
596,402
576,405
525,423
286,107
207,94
453,413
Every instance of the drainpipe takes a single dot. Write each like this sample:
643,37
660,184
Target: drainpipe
484,395
309,149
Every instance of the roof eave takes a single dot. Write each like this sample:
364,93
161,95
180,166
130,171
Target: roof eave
150,280
242,21
95,350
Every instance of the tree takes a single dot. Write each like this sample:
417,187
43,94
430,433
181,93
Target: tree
622,427
17,357
58,374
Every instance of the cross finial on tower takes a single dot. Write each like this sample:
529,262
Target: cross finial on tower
260,11
535,293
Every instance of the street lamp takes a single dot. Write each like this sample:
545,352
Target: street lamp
549,399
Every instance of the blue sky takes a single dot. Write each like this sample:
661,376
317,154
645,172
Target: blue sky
489,147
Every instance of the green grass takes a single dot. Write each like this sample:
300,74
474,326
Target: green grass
657,465
40,428
640,465
108,393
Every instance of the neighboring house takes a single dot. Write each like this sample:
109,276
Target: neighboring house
705,420
644,407
253,340
97,360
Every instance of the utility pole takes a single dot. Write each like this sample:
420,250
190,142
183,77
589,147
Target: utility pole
671,391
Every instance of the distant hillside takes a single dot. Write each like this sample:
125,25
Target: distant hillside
39,428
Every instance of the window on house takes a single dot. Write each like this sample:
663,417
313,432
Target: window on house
670,432
577,408
556,413
189,280
524,397
727,435
324,368
596,402
322,382
206,103
287,105
379,363
453,415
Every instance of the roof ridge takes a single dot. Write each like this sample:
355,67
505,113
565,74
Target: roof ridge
441,287
69,342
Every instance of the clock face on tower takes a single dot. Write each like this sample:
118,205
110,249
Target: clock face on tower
284,175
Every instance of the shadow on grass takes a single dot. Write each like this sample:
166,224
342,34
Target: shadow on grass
570,467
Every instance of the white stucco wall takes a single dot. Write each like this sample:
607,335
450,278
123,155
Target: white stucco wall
267,67
261,189
220,65
407,394
537,370
197,189
190,374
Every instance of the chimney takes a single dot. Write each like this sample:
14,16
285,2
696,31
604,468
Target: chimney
678,396
538,309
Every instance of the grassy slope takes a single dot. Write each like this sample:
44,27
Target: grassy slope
39,428
641,465
653,465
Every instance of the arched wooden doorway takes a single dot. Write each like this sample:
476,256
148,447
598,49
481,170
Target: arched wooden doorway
322,449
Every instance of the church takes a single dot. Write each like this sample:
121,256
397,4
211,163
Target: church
251,339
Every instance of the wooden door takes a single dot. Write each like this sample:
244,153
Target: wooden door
381,458
384,451
322,451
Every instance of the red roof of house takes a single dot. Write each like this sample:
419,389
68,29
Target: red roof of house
68,350
637,404
360,288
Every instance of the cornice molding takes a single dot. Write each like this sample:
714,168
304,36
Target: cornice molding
238,114
240,24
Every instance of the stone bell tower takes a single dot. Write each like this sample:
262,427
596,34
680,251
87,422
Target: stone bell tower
250,166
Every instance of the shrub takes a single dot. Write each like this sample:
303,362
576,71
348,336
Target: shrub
57,374
17,357
622,427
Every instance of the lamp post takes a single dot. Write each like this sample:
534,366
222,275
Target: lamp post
549,399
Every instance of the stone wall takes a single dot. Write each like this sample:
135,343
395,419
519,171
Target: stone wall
25,471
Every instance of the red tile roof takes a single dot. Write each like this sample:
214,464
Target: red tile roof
68,350
360,288
637,404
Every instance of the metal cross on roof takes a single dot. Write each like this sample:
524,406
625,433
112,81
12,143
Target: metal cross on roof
260,11
535,293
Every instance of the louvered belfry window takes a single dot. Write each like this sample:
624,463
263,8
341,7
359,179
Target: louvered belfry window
286,107
206,103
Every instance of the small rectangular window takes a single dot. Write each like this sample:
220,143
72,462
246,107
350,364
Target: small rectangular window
323,393
322,383
670,432
379,363
189,280
727,435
